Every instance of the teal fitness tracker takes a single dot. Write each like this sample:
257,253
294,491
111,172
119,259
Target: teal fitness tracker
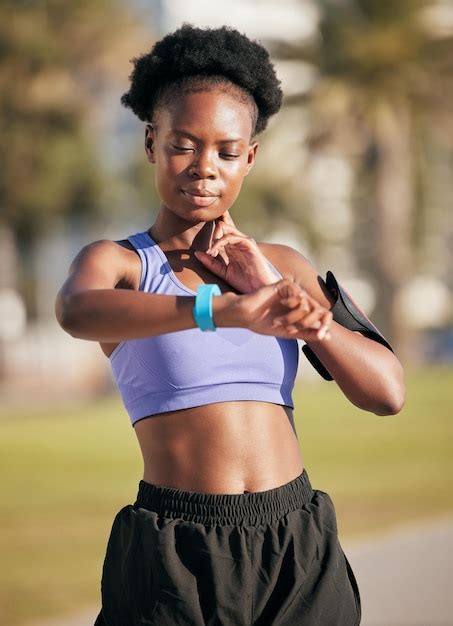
202,310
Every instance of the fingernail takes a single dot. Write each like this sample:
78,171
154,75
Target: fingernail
277,322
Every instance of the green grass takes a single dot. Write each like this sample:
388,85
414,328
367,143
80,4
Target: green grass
381,470
66,475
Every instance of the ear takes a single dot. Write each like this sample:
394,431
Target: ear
252,150
149,143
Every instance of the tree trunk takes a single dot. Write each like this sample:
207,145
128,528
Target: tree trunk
8,279
393,211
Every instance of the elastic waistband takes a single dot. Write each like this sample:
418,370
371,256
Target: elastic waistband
258,507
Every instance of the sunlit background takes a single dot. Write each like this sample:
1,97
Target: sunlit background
355,172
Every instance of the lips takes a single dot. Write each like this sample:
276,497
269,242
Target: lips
193,191
202,198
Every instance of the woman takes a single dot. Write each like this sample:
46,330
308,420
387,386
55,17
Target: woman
226,528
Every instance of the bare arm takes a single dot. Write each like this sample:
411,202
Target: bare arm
89,307
368,373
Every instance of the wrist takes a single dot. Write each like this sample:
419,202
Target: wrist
225,309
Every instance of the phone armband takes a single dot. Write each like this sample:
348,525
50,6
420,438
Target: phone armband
345,312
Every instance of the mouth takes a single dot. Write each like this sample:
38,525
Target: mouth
199,200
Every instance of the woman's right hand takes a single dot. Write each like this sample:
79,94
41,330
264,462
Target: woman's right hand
284,299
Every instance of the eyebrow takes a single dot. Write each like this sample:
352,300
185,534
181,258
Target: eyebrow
187,134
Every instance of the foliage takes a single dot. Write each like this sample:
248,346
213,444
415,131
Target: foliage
383,88
366,51
56,61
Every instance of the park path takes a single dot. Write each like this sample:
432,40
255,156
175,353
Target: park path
405,577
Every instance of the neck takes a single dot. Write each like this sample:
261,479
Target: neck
197,237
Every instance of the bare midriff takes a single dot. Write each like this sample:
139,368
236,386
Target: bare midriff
225,447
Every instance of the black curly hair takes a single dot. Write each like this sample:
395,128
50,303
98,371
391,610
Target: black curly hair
191,58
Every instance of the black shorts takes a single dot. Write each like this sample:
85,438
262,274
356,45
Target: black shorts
264,558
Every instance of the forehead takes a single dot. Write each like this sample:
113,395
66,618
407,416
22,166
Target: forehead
208,115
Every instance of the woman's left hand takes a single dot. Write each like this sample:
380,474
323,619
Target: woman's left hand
241,264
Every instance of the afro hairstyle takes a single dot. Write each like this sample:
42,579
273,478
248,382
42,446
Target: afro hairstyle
191,57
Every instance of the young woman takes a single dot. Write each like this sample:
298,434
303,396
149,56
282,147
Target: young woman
226,527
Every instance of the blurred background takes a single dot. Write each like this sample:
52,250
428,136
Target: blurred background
355,172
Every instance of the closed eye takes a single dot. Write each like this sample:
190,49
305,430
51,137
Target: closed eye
233,156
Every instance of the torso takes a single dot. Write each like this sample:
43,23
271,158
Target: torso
224,447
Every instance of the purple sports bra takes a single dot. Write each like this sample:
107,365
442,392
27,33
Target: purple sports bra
189,368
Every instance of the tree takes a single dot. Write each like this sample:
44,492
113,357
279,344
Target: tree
56,61
384,73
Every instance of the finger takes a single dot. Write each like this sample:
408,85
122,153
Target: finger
217,233
327,318
295,315
234,230
307,334
231,230
311,334
226,240
297,300
215,264
226,227
227,219
294,297
215,238
291,303
291,293
228,230
287,320
300,328
326,321
313,319
288,288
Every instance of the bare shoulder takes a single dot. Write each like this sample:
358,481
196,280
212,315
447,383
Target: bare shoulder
289,262
110,262
101,248
294,265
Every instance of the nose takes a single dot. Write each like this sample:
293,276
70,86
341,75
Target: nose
203,165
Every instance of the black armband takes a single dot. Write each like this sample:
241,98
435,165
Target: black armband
345,312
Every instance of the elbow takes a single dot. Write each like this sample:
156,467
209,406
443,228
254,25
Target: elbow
390,406
396,395
393,406
65,315
68,324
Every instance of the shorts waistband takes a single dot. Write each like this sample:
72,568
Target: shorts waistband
258,507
